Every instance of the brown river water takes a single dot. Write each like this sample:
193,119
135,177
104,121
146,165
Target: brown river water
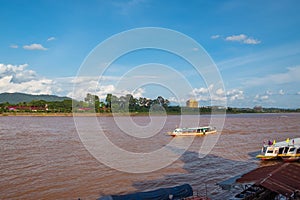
44,158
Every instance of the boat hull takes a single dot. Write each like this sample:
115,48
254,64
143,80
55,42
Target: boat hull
291,158
191,134
263,157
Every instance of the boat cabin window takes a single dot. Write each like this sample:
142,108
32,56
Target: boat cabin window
286,149
283,150
298,150
270,151
292,149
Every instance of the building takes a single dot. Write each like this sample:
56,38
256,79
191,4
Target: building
258,109
192,103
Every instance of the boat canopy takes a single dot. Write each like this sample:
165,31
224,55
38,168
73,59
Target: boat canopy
177,192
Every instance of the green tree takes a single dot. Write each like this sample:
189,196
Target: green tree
90,99
93,101
114,104
108,101
131,102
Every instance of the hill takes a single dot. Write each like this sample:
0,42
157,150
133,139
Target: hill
14,98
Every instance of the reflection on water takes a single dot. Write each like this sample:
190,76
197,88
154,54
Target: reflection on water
43,157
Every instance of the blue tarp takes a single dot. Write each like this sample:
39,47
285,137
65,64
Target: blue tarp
177,192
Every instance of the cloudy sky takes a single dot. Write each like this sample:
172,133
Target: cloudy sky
255,46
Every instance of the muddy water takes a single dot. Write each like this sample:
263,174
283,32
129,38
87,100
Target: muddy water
43,157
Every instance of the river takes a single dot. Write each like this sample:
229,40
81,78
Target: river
44,158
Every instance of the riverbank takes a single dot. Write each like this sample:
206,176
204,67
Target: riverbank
39,114
54,114
42,114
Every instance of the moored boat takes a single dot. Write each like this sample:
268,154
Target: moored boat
285,150
269,153
184,191
196,131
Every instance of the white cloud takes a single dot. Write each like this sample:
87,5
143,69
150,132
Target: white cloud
242,38
261,97
34,47
251,41
210,94
14,46
138,92
16,78
217,94
18,74
215,36
290,76
80,86
42,86
260,58
235,94
82,89
269,92
51,38
201,91
82,79
220,91
281,92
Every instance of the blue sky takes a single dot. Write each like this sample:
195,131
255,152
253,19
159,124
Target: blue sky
254,44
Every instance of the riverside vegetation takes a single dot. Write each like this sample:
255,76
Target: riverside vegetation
123,104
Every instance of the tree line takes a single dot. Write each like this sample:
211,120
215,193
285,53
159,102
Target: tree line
64,106
126,103
123,104
92,103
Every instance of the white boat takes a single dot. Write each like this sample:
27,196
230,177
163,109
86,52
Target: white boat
278,150
271,152
196,131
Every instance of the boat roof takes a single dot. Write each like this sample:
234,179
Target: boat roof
284,143
178,192
199,127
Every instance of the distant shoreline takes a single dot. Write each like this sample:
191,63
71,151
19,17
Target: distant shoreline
24,114
55,114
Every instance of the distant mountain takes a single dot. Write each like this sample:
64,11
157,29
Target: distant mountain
14,98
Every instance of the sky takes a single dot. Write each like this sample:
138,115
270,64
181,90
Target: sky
254,47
